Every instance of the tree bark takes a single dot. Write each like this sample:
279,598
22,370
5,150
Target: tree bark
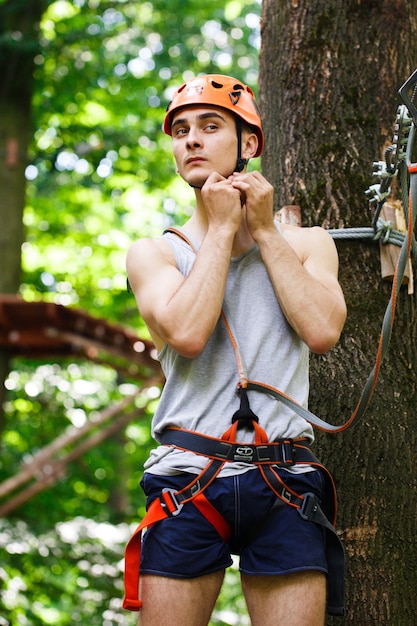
329,75
19,21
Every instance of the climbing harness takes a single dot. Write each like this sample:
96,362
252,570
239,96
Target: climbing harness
267,456
287,453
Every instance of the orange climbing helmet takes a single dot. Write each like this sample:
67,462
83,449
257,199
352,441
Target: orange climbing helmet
221,91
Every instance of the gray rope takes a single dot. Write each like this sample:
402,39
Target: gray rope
385,234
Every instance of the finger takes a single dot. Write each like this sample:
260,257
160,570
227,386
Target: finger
214,177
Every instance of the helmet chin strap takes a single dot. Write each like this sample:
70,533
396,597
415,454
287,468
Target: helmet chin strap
240,162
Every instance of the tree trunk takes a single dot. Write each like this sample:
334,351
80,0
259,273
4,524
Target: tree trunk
329,75
18,47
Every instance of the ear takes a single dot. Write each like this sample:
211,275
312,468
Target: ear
249,144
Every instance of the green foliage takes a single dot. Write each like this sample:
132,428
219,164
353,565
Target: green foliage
69,574
48,400
101,171
64,548
100,175
72,574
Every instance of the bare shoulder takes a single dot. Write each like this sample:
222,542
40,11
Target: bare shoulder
147,254
309,241
147,246
313,234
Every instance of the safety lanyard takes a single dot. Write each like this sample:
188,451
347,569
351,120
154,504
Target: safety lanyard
410,202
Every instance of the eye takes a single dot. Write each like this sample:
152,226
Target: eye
182,130
211,126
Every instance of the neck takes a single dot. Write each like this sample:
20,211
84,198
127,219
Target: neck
197,226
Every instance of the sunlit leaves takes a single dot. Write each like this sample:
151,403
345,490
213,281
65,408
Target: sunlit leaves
104,76
77,578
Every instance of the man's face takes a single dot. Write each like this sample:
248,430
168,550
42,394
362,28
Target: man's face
204,140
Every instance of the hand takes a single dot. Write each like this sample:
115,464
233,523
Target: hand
257,194
222,202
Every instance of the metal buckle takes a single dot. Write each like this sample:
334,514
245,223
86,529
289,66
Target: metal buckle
171,512
309,507
195,488
288,452
229,449
286,495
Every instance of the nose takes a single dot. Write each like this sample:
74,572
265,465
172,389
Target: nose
194,139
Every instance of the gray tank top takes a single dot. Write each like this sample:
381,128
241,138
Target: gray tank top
200,394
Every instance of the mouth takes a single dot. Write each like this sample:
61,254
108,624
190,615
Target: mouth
194,160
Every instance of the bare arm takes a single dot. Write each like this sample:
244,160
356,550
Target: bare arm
302,264
183,311
306,287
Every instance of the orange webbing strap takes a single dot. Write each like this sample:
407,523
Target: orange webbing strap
131,601
260,435
213,516
157,511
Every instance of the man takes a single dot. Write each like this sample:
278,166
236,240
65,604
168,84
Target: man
232,296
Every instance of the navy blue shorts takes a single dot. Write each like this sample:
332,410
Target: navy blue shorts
270,540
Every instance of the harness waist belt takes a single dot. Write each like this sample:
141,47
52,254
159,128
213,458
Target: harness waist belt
282,452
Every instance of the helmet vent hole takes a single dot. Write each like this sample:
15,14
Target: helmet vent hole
216,85
237,87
